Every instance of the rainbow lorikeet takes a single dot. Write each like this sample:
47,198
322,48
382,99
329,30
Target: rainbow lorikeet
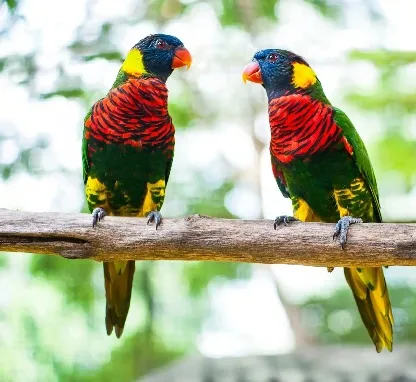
127,153
321,164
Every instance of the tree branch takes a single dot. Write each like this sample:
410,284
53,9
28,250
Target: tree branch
202,238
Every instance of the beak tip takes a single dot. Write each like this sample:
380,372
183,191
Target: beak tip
181,58
252,73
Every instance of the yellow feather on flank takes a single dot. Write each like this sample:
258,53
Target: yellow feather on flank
303,75
356,187
98,196
338,196
96,193
154,197
303,211
133,64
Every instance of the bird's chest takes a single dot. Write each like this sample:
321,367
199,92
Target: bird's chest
300,128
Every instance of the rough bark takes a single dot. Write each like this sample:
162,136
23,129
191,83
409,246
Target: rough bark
203,238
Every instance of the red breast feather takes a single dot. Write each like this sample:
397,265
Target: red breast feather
300,127
134,113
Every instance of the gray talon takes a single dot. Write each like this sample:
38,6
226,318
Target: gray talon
341,229
284,219
154,216
97,215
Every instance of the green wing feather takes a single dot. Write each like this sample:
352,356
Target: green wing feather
359,155
85,162
167,172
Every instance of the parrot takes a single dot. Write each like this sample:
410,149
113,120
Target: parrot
127,153
320,162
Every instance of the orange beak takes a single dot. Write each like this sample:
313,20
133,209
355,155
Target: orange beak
252,73
181,58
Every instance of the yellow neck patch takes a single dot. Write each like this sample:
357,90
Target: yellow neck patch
303,75
133,64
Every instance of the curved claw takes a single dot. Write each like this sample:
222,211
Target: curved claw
154,216
341,229
284,219
97,215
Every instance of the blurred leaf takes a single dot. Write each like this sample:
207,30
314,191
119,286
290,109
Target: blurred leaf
11,5
164,10
209,201
382,57
3,62
28,158
73,278
243,12
396,152
380,100
67,93
199,275
140,353
335,319
395,104
20,68
330,9
266,8
3,260
230,14
110,56
179,110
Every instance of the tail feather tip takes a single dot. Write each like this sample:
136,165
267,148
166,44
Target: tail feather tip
119,330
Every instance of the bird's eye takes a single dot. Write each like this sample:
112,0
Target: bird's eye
272,57
161,44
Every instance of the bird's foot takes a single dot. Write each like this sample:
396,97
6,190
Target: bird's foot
341,229
97,215
154,216
284,219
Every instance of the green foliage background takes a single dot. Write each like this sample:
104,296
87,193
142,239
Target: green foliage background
172,299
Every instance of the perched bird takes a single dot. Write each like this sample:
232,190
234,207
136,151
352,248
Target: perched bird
321,164
127,152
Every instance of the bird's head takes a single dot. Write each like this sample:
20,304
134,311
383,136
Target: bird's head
156,55
280,72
